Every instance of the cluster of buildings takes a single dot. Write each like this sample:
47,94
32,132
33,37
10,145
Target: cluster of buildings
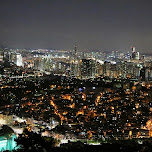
115,65
82,65
77,95
70,108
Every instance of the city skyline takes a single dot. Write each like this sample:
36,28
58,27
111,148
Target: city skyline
102,25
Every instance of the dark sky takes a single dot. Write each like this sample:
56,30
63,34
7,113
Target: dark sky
91,24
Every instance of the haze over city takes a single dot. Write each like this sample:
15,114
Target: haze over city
75,75
91,24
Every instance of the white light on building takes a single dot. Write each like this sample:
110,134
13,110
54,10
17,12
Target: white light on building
19,61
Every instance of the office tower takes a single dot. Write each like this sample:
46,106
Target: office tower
88,68
133,49
113,54
75,53
75,50
124,69
113,71
6,56
99,68
137,55
106,68
137,71
133,53
150,73
143,74
75,64
37,63
45,65
19,61
1,56
75,68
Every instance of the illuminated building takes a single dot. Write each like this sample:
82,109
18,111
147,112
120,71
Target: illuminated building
144,73
6,119
150,74
7,144
37,63
136,71
137,55
124,69
19,61
75,64
75,68
113,71
1,56
133,53
7,137
99,68
106,68
88,68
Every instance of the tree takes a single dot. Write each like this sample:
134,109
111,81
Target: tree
30,141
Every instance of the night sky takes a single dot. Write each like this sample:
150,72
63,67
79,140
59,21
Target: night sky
91,24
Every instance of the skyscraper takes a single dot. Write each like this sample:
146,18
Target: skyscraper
75,64
19,61
75,50
133,53
88,68
137,55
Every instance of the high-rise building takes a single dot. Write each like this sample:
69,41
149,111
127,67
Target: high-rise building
19,61
133,53
88,67
137,55
143,74
106,68
1,56
99,68
75,68
150,73
124,69
75,50
75,64
113,71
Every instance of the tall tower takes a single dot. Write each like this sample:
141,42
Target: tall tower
19,60
133,49
75,64
75,50
137,55
133,52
